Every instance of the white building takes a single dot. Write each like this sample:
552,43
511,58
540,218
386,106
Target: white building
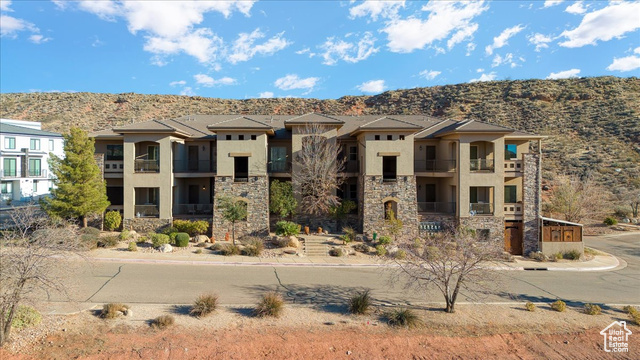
24,155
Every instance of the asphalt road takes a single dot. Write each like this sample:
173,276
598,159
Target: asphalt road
242,285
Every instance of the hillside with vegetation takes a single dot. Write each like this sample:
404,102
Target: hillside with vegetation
592,124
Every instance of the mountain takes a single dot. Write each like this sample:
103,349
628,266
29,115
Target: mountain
592,124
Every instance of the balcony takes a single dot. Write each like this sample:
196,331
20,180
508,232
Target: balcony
193,209
9,173
437,207
351,166
434,165
477,165
513,209
38,173
481,208
16,173
512,167
147,166
149,210
279,167
113,166
194,166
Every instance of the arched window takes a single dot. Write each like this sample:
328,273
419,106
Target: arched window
390,210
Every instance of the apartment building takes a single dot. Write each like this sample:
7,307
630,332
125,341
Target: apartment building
24,155
430,171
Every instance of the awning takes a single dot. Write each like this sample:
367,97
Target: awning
559,221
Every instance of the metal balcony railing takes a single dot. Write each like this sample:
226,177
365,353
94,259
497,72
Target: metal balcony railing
9,173
481,165
193,209
434,165
437,207
142,166
196,166
148,210
481,208
279,166
37,173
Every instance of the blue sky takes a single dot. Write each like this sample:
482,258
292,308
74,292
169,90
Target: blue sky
319,49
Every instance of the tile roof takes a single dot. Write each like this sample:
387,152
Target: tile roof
242,122
21,130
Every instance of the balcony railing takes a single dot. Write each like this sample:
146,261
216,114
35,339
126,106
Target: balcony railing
37,172
512,166
113,166
147,211
195,166
481,165
352,166
14,173
481,208
513,208
279,167
193,209
437,207
7,173
434,165
142,166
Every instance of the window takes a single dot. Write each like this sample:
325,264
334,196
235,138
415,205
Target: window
34,144
390,208
240,137
115,194
401,137
35,186
510,194
152,196
6,187
34,167
353,153
51,145
9,166
510,151
377,137
228,137
278,159
241,168
153,152
389,168
115,152
9,143
353,191
389,137
254,137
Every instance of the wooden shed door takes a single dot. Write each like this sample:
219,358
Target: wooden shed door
513,238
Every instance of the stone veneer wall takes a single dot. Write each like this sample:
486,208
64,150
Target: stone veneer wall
375,191
531,201
256,192
494,224
100,162
145,225
332,225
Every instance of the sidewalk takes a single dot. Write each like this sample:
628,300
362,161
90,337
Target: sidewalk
185,257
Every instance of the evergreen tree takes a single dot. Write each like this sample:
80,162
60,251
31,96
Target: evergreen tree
281,200
79,188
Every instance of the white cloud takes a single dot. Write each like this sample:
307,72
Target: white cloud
292,82
540,41
613,21
462,35
485,77
38,39
180,82
4,5
429,74
10,26
208,81
201,44
244,49
550,3
375,9
335,49
306,51
372,87
502,39
626,63
479,70
266,95
445,18
576,8
564,74
470,47
188,91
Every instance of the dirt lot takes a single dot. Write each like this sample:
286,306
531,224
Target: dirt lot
474,331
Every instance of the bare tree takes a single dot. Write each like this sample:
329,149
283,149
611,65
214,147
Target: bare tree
32,251
631,197
577,198
318,171
451,261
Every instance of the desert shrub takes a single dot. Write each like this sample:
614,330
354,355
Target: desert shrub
132,246
89,231
360,303
349,234
204,305
172,238
108,241
142,239
163,321
400,254
592,309
198,251
253,247
592,252
403,317
572,255
125,234
557,256
192,228
287,228
159,239
168,230
559,305
417,244
202,244
630,310
537,256
182,239
610,221
381,250
530,306
271,304
229,249
384,240
362,247
113,310
24,317
112,220
336,252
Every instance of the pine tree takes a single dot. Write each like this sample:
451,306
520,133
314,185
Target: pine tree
79,188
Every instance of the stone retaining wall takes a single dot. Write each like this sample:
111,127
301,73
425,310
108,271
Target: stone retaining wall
494,224
145,225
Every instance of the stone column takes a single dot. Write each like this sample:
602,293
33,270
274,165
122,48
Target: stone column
531,202
256,193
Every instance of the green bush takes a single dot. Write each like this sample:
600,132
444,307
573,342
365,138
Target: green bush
403,317
287,228
559,305
204,305
198,251
192,228
349,234
90,241
592,309
24,317
253,247
108,241
630,310
360,303
113,310
610,221
530,306
112,220
384,240
182,239
229,250
159,239
271,304
172,238
169,230
163,321
572,255
132,246
381,250
124,235
89,231
362,247
336,252
400,255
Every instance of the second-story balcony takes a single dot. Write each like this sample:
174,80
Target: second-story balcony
9,173
513,167
352,166
484,165
513,209
193,209
434,165
16,173
481,208
194,166
437,207
279,167
37,172
147,166
113,166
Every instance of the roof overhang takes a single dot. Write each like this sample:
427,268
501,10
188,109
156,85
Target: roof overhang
359,131
525,137
216,129
559,221
175,132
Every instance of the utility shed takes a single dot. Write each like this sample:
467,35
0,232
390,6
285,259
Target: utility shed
559,236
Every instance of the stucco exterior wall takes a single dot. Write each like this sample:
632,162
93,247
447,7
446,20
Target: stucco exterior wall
257,149
373,149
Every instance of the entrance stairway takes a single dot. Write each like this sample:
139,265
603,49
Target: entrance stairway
315,246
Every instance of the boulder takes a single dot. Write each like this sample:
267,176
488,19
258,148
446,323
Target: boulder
293,242
166,248
128,312
200,239
392,250
290,251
